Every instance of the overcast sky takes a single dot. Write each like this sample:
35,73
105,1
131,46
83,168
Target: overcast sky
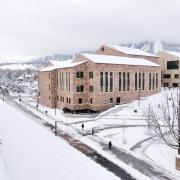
43,27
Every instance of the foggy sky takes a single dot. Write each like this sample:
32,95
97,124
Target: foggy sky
42,27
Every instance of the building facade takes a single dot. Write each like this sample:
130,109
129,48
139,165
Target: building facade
96,82
170,62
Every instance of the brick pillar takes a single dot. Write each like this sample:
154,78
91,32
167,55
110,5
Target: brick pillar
178,163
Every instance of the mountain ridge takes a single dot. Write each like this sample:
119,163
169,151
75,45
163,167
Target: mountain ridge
154,47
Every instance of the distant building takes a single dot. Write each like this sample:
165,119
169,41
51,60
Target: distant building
170,66
96,82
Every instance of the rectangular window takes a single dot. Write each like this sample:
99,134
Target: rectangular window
128,81
172,64
63,99
49,75
156,80
80,88
111,100
153,80
120,82
80,100
49,98
90,88
149,81
106,81
79,74
91,101
166,76
136,81
176,76
124,81
143,81
49,87
66,81
67,100
62,81
69,83
91,74
111,81
101,81
139,81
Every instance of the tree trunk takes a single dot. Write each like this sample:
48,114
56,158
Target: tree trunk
179,149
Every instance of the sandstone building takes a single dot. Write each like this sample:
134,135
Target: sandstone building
170,62
95,82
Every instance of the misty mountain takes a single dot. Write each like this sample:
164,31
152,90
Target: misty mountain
154,47
44,60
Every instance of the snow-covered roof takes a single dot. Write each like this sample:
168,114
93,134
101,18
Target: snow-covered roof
131,51
106,59
174,53
61,64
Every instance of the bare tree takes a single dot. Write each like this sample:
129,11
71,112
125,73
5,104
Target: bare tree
164,120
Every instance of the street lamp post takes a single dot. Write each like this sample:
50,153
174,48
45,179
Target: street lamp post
55,105
55,131
38,97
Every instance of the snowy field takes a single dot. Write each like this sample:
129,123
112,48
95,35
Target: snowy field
30,152
124,127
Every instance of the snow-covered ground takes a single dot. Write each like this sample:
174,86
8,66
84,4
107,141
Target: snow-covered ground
30,152
18,67
124,127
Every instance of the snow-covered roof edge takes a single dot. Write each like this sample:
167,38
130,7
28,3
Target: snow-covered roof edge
107,59
130,51
61,64
174,53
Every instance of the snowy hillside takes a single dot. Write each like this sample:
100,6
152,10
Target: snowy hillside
154,47
17,66
44,60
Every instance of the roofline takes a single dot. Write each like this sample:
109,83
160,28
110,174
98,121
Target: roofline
84,55
170,52
62,67
110,46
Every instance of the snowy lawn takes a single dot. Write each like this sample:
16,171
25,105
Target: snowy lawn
109,126
124,137
162,154
30,152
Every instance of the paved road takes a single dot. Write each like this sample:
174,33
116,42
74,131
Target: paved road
144,167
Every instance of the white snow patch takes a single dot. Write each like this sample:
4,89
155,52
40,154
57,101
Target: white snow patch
119,60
